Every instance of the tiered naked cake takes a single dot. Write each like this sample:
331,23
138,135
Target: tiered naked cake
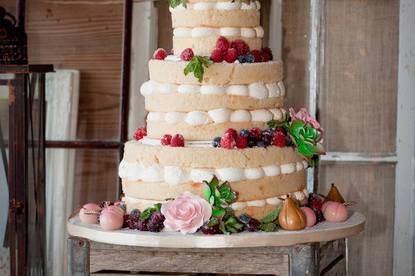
202,98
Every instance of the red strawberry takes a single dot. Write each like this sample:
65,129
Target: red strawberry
241,142
177,141
222,43
227,141
160,54
278,139
187,54
231,55
233,132
255,133
166,139
257,55
140,133
217,55
241,47
266,54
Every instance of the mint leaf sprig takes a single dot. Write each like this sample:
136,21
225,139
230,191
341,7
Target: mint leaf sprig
219,195
175,3
149,211
197,66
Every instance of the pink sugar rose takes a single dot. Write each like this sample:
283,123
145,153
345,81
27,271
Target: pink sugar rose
187,213
304,116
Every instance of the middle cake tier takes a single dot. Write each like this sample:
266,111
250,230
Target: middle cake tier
238,96
260,176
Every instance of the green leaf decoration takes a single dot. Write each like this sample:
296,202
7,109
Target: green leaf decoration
197,66
218,212
175,3
269,227
213,222
146,214
273,216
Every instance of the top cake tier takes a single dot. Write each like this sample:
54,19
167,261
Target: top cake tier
201,22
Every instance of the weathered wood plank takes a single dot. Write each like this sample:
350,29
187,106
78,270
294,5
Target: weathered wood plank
360,75
330,252
296,25
371,186
230,261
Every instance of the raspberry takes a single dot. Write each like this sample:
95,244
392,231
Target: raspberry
160,54
231,55
217,55
177,141
222,43
257,55
241,142
266,54
227,141
216,142
278,139
255,133
187,54
232,132
166,139
140,133
241,47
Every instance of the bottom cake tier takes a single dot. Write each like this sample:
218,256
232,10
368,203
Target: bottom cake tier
261,177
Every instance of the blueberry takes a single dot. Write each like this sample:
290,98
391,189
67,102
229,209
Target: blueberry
244,218
244,133
249,58
216,142
242,59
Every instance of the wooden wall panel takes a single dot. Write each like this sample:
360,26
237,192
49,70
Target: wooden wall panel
165,30
295,18
372,187
358,99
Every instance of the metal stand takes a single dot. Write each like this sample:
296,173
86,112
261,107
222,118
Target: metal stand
26,178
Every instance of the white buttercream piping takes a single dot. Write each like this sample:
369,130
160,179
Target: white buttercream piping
256,90
239,205
236,5
222,115
197,32
174,175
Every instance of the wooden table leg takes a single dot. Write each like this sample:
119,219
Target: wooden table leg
304,260
78,257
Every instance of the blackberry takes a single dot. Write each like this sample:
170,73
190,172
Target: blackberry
213,230
266,137
157,217
216,142
251,142
253,225
260,144
135,214
141,225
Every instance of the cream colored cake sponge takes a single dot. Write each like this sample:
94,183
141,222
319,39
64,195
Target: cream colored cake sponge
218,73
215,18
208,157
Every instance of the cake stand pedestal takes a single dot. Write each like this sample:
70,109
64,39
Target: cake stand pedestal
314,251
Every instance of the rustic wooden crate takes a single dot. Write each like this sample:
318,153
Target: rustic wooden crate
86,257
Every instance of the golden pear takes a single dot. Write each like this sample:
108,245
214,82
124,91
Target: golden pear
291,216
334,195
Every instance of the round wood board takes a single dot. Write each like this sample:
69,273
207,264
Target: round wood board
325,231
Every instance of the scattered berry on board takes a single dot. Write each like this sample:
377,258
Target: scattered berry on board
160,54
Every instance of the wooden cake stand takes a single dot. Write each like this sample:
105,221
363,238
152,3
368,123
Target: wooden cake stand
316,251
307,252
